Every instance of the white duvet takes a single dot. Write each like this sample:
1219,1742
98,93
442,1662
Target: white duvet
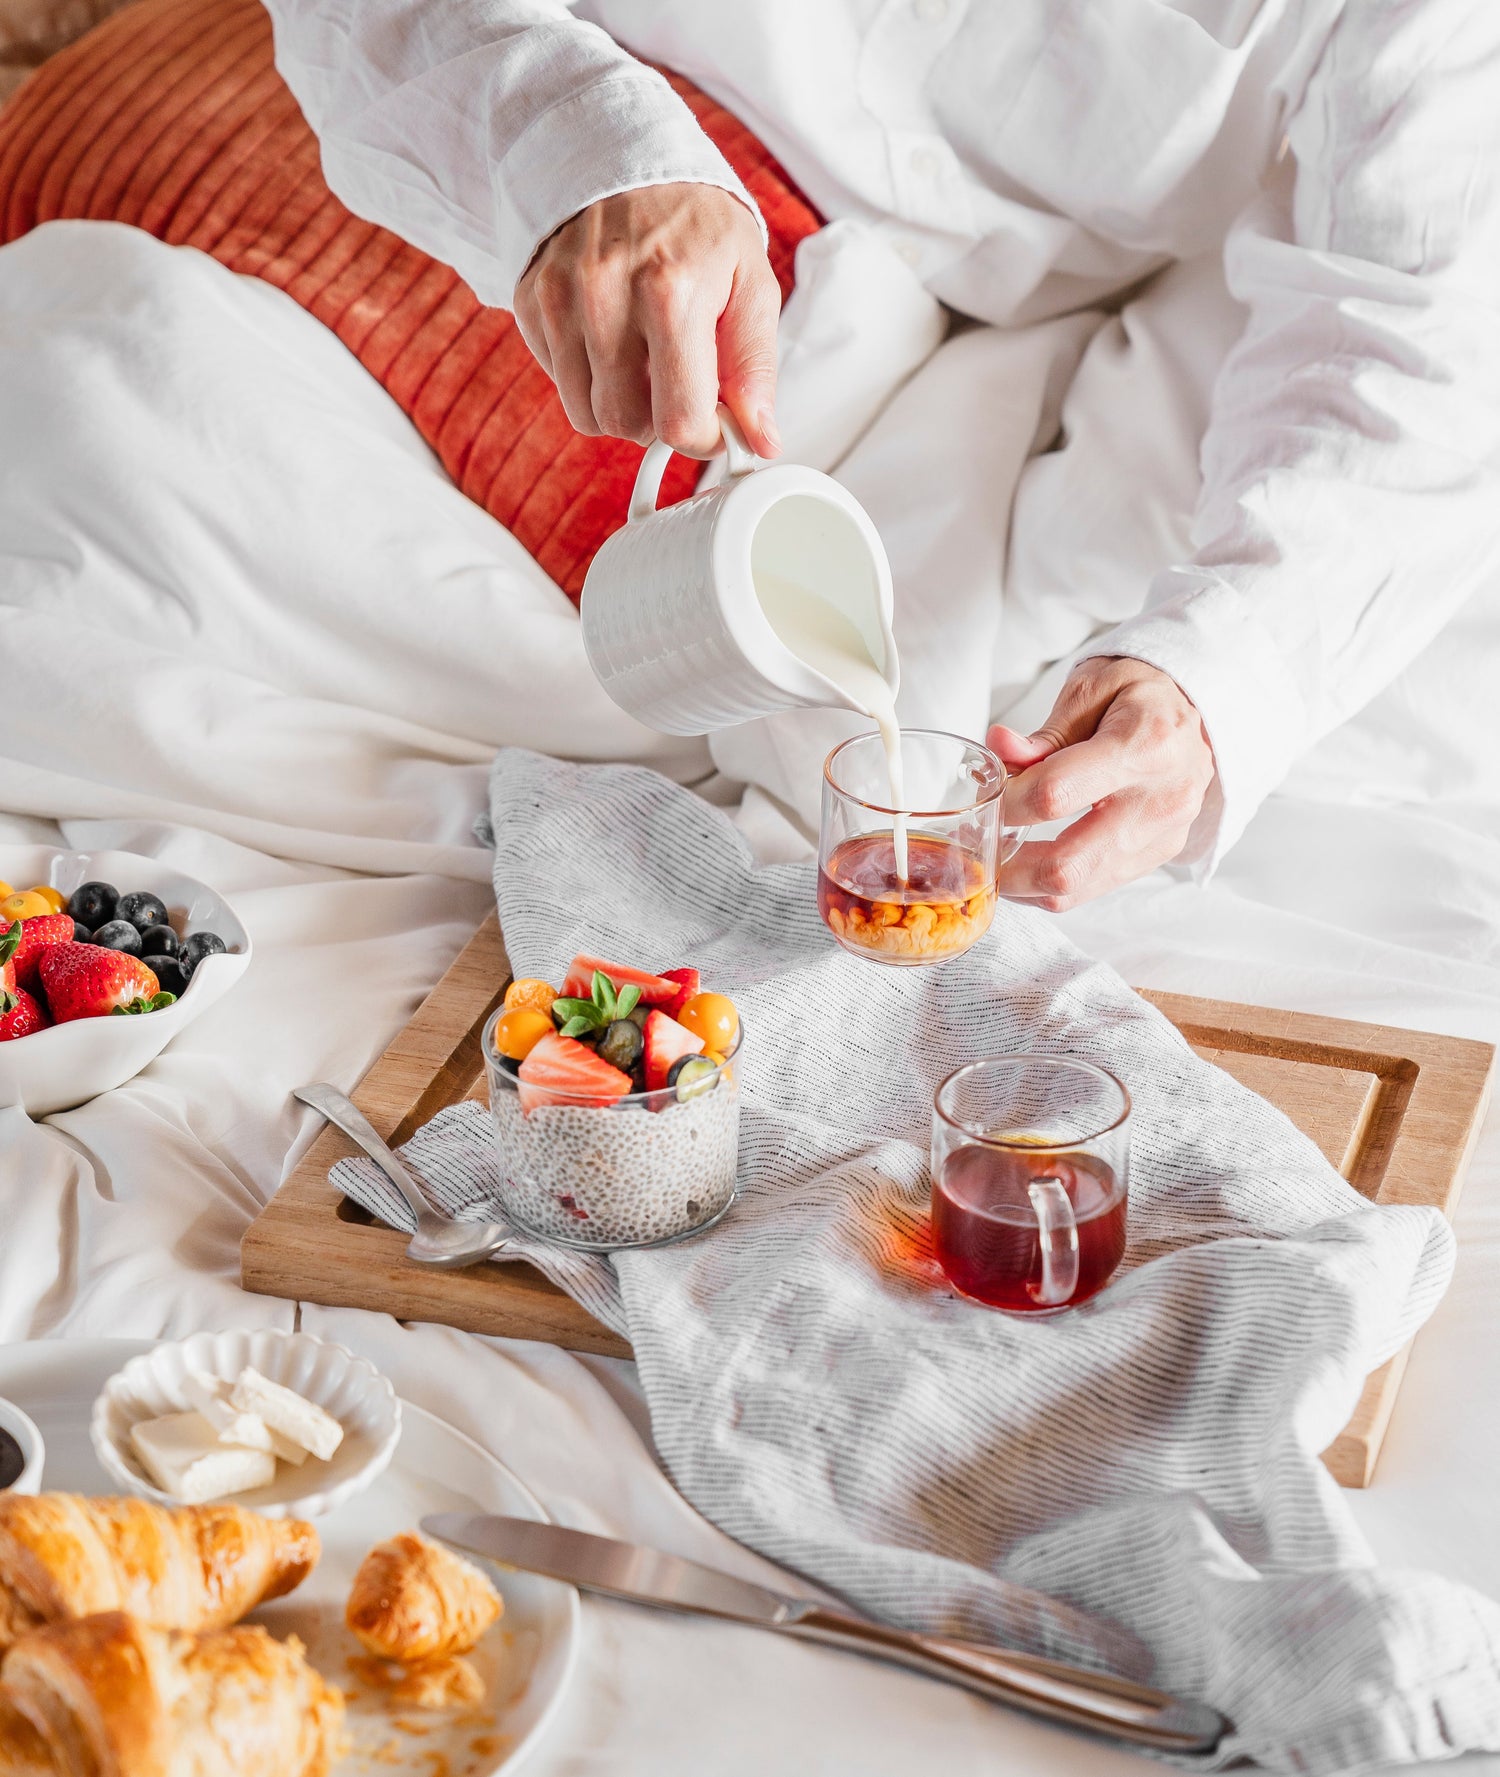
247,625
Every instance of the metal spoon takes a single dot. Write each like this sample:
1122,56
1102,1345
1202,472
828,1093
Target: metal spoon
439,1239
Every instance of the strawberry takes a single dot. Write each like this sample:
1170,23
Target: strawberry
654,989
87,981
560,1070
689,981
20,1015
666,1041
35,936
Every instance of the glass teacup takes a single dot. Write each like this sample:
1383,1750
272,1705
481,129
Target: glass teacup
956,841
1030,1178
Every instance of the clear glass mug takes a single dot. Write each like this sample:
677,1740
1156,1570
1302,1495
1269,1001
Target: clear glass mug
956,838
1030,1181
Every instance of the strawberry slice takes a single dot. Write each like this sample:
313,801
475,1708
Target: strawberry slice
87,981
656,990
20,1015
561,1071
689,982
666,1041
35,936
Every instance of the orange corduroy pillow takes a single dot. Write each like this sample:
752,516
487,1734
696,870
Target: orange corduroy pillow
171,116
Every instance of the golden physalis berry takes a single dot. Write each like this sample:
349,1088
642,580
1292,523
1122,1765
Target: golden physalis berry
54,898
529,995
711,1016
519,1031
24,905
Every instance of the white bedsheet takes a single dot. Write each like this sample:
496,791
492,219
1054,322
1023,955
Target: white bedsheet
247,626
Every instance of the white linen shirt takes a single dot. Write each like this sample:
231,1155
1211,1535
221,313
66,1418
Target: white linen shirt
1034,157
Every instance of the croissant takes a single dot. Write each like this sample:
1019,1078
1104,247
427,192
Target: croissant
108,1696
415,1602
201,1567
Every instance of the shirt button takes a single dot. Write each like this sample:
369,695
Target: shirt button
931,12
926,163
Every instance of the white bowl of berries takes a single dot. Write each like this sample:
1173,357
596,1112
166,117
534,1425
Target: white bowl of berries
104,957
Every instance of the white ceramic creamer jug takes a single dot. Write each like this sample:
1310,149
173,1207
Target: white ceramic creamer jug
673,619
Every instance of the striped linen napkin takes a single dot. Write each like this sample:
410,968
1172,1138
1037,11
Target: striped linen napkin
816,1390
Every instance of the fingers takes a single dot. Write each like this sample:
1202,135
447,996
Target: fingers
747,356
1071,780
1108,847
679,342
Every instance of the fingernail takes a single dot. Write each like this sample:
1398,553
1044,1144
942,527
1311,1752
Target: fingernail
766,420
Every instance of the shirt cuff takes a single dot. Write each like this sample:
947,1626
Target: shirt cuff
1198,630
628,131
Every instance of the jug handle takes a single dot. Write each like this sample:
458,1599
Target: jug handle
654,465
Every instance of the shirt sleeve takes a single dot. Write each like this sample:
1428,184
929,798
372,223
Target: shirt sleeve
1351,466
474,128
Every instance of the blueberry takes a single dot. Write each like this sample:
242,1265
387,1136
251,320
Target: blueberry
142,909
93,905
119,934
692,1075
510,1065
158,940
81,933
200,945
168,973
621,1044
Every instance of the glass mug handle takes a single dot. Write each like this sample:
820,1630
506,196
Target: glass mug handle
1059,1231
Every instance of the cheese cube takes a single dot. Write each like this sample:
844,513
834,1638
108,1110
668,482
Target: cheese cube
210,1397
181,1452
300,1421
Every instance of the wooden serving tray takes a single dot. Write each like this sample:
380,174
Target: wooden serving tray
1396,1111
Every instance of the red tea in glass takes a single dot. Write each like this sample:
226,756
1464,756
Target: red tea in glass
988,1237
942,906
1030,1175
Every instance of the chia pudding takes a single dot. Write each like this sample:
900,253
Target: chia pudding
640,1172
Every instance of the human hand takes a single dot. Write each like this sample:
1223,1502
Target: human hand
649,308
1123,743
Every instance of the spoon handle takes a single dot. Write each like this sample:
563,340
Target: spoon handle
338,1108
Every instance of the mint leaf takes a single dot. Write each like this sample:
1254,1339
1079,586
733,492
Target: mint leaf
566,1009
575,1027
630,998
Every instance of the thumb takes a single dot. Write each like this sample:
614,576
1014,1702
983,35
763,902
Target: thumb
1018,751
747,356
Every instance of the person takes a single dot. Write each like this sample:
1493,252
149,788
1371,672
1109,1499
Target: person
1030,158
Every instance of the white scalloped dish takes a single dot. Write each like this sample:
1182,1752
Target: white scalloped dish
54,1069
348,1387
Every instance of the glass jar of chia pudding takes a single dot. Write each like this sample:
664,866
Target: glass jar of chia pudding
650,1168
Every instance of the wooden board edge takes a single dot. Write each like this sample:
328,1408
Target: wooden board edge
1353,1455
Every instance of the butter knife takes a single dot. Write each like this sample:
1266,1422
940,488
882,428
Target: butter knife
1098,1702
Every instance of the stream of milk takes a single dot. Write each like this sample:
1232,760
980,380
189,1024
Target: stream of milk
820,634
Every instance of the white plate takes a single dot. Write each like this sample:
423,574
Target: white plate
69,1063
526,1662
